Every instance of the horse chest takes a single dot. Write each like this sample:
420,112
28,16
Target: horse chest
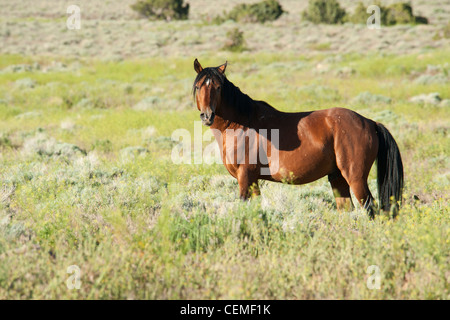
229,163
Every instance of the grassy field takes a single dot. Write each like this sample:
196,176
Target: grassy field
86,176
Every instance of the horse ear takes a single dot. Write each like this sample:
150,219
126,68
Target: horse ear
222,67
197,66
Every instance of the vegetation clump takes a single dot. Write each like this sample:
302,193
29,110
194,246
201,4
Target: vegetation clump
235,41
330,12
162,9
396,13
446,31
402,13
260,12
324,11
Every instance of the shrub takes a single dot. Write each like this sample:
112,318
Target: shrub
235,41
397,13
360,14
446,31
162,9
5,142
420,20
401,13
324,11
267,10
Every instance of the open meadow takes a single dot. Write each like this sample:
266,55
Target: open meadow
87,178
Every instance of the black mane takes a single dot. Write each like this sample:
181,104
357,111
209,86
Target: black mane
231,94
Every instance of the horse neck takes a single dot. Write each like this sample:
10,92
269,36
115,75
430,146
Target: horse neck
230,114
228,117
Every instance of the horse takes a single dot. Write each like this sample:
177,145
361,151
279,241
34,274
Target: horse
338,143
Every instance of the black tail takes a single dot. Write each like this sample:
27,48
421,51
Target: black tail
390,171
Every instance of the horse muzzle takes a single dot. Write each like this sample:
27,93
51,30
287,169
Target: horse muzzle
207,118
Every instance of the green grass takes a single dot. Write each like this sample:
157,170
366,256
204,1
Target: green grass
320,46
142,227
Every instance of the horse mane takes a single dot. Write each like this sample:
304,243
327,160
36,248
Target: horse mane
231,94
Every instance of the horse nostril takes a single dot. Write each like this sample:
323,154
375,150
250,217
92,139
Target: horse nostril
202,115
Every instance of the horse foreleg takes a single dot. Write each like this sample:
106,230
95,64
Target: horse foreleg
341,192
248,185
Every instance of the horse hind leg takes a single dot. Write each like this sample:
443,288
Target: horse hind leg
362,193
341,191
356,175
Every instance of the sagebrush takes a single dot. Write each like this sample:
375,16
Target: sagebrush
235,40
324,11
266,10
397,13
162,9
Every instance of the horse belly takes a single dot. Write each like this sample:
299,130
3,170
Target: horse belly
300,167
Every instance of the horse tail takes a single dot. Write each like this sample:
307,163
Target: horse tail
390,171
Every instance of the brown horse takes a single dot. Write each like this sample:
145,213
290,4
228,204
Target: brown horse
299,147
